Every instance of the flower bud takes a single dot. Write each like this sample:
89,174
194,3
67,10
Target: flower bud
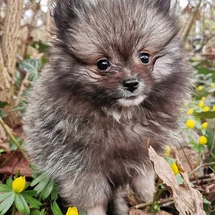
174,168
18,184
204,125
190,123
203,140
72,211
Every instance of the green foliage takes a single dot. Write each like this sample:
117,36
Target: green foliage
23,201
56,209
40,46
13,147
44,186
32,66
3,105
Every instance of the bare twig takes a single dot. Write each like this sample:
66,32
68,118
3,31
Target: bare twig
200,166
188,161
163,201
22,88
190,24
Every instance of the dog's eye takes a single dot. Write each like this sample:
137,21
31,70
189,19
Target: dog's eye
145,58
103,64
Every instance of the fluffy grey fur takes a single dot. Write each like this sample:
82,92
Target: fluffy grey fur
84,127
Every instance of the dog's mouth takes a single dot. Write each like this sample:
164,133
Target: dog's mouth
131,100
130,97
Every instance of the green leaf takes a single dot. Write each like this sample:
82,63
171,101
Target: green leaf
35,212
180,180
3,104
40,46
43,212
47,190
42,184
31,192
56,209
83,213
205,201
32,201
38,179
3,196
54,193
2,114
205,115
2,150
6,204
12,145
5,188
9,182
32,66
21,204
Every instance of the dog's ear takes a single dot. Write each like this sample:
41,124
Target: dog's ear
163,5
64,11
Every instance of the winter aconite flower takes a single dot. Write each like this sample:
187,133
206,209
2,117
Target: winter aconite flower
203,140
206,109
201,104
203,98
72,211
214,108
174,168
190,123
200,88
213,85
167,151
204,125
190,111
18,184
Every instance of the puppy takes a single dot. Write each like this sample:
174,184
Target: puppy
115,80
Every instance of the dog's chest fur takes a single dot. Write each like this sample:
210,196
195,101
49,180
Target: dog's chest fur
117,146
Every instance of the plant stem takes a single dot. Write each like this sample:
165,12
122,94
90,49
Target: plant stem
14,210
200,166
156,196
13,138
192,20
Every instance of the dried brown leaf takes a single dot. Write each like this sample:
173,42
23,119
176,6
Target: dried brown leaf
140,212
188,201
137,212
12,163
3,136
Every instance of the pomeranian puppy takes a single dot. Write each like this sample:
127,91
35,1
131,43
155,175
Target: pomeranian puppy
115,80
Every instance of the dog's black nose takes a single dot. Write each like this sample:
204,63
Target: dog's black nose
131,84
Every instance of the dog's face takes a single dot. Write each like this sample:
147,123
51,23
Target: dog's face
117,51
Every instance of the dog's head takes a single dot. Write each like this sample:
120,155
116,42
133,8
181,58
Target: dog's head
115,51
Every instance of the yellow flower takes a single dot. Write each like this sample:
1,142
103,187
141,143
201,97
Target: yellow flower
203,98
174,168
72,211
204,125
167,151
206,109
200,88
190,111
18,184
203,140
190,123
213,85
201,104
214,108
